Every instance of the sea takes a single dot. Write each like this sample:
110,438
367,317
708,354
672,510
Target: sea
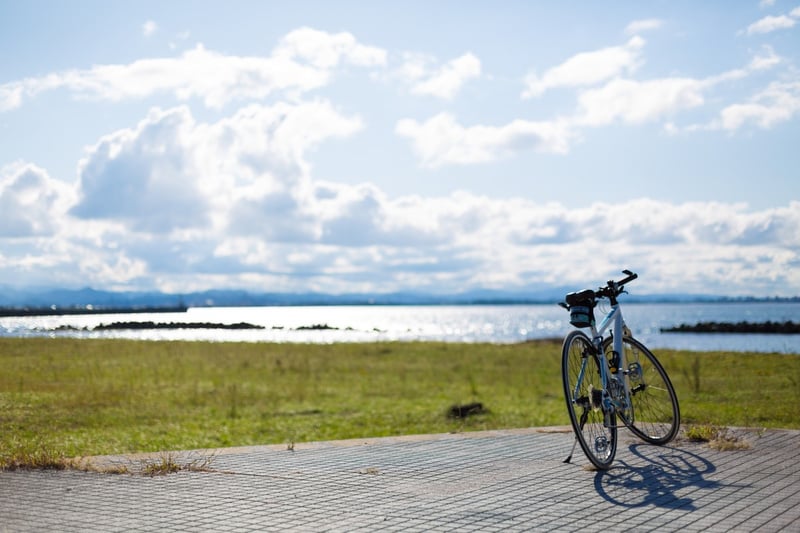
447,323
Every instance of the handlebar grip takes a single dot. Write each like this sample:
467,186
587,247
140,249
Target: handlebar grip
631,276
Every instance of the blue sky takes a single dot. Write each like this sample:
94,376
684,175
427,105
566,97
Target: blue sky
382,146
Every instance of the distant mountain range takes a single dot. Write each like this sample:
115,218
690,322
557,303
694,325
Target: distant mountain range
98,299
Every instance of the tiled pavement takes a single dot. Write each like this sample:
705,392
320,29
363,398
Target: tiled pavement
487,481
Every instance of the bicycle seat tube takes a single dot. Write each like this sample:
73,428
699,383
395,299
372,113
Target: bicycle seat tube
613,320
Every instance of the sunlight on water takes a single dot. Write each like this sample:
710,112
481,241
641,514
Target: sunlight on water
478,323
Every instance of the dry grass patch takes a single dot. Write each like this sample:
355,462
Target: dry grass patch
718,438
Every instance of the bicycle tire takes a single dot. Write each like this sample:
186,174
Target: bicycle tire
596,431
656,414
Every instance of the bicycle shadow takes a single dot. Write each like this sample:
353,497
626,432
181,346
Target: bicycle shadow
667,470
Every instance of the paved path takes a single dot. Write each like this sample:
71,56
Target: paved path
487,481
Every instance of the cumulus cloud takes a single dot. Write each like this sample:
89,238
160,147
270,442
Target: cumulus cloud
181,202
779,102
660,99
328,50
604,96
267,225
442,140
474,241
765,60
445,81
639,101
31,202
303,61
171,173
144,176
587,68
770,23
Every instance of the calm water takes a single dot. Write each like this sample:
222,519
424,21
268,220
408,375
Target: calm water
474,323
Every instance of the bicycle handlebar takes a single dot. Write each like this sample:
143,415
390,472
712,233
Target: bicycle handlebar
630,277
615,288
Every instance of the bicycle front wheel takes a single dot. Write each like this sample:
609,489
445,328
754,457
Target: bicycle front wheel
595,430
656,415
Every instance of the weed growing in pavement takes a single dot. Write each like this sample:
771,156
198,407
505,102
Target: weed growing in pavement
717,438
170,463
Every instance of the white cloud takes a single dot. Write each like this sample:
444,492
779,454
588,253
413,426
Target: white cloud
587,68
143,176
770,23
639,26
475,241
779,102
11,96
442,140
327,50
247,172
177,202
31,202
303,61
149,28
424,75
299,234
637,102
764,61
446,81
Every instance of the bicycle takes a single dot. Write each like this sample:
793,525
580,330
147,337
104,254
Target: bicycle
613,378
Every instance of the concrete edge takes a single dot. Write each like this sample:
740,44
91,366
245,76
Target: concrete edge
106,462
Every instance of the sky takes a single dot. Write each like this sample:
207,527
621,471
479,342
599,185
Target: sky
353,147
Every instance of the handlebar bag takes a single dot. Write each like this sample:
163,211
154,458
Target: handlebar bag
581,308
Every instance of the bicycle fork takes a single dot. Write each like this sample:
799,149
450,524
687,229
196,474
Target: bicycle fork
586,403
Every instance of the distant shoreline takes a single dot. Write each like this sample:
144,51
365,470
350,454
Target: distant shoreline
781,328
101,309
188,325
30,302
87,310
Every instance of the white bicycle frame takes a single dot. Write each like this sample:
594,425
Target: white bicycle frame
614,321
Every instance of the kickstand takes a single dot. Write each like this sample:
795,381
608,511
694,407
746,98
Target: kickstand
582,422
569,458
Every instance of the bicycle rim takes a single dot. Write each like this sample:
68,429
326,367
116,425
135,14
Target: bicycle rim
656,415
583,392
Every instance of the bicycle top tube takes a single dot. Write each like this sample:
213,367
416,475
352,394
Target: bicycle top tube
607,321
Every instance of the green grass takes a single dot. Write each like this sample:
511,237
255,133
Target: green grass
65,398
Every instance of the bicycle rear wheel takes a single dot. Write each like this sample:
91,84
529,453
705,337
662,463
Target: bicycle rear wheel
596,432
656,415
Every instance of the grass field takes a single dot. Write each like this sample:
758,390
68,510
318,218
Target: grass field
65,397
